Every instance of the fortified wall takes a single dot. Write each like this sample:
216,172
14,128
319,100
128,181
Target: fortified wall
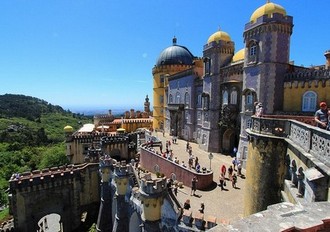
68,191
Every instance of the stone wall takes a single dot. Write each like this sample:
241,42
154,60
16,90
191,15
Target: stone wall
151,161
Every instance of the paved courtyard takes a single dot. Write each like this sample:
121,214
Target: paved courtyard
226,205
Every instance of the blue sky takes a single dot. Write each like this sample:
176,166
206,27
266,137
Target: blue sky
100,53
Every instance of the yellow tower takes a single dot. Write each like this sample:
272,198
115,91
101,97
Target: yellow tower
152,193
172,60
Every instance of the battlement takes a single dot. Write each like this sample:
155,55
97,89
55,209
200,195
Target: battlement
122,169
310,74
109,139
106,161
153,187
45,176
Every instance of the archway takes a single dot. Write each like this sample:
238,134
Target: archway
51,222
228,141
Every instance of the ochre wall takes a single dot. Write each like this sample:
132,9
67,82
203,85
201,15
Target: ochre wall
294,91
265,170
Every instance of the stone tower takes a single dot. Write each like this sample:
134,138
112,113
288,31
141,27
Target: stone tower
147,105
152,196
104,220
121,175
217,53
267,46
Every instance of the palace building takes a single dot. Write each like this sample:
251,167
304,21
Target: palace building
210,99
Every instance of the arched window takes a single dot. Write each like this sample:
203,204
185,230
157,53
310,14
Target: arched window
199,100
225,97
252,51
204,139
249,98
170,99
187,99
177,98
309,101
233,97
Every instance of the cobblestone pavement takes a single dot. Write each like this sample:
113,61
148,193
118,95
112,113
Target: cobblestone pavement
226,205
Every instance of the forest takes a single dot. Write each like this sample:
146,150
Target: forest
32,136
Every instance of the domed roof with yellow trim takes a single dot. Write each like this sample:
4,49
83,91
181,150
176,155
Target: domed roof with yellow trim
68,128
268,9
238,56
219,35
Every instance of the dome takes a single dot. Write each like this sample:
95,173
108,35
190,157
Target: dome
239,55
268,9
219,35
68,129
175,54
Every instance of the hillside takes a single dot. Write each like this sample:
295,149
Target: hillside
31,135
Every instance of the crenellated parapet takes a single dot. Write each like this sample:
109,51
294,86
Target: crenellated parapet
114,139
58,176
153,188
152,197
308,75
122,173
106,165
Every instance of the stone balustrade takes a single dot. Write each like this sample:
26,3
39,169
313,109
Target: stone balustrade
311,139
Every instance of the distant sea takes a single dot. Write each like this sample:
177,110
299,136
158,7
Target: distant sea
95,111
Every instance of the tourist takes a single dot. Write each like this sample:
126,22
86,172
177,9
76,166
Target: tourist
234,162
201,209
196,161
230,172
239,168
223,170
259,109
190,161
234,180
321,116
193,185
198,168
186,205
187,147
222,181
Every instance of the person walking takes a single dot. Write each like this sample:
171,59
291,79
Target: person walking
193,186
234,180
230,172
222,181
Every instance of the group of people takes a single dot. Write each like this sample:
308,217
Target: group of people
232,176
322,116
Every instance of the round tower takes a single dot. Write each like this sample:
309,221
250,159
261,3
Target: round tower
152,196
267,46
267,43
121,177
171,60
104,220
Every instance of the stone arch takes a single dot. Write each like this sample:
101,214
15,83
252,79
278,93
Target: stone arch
301,184
50,204
287,167
293,168
228,140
